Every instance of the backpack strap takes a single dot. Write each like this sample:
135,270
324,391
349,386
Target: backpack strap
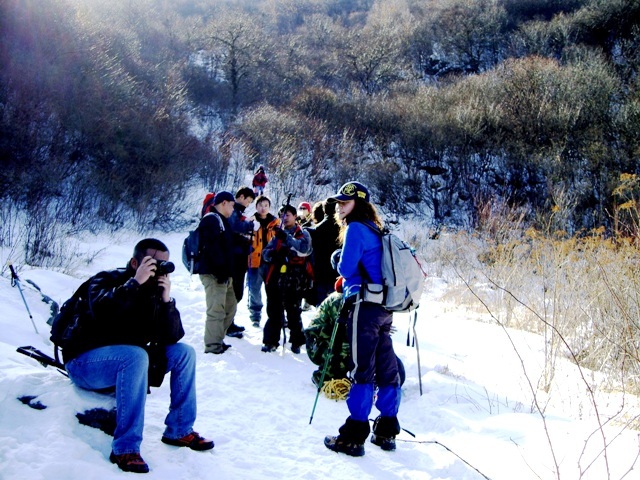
217,215
373,227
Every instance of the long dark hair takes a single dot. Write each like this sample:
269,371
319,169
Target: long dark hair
362,212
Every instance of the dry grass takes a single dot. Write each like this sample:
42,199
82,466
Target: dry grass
582,294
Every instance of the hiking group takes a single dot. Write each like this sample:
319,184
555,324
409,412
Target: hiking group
126,327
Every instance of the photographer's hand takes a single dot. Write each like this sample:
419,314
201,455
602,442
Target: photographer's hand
164,282
145,270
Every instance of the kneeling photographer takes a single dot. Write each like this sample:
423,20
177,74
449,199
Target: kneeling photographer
129,329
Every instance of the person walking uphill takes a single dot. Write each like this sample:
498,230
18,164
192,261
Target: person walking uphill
259,181
289,276
131,324
216,238
373,361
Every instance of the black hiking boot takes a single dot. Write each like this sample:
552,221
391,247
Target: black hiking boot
385,443
338,445
217,348
269,348
235,331
385,430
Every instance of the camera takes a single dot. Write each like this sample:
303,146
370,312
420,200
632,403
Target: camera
164,268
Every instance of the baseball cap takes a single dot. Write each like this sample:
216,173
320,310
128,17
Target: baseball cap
222,196
351,191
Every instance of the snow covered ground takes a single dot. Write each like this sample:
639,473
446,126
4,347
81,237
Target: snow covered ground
474,419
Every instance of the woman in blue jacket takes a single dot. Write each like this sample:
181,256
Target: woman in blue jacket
368,328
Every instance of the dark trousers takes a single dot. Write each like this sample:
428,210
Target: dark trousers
239,272
373,360
280,301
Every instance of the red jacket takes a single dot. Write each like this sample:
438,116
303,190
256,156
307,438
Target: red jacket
260,179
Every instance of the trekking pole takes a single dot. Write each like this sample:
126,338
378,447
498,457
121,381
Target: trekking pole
16,281
324,368
417,344
284,331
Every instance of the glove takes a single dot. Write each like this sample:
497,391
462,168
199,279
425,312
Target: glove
338,285
347,310
281,234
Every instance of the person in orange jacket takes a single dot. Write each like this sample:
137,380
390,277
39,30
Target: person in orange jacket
266,224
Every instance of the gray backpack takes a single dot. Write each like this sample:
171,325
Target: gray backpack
402,276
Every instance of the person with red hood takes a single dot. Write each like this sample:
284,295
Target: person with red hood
304,215
259,181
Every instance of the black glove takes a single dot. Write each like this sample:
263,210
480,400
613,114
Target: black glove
221,279
347,310
281,234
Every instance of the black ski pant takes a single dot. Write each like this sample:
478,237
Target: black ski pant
280,301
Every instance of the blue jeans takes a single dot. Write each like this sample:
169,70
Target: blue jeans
255,280
125,367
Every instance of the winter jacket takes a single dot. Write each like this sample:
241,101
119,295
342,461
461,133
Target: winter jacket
293,252
259,179
120,311
242,230
362,249
262,237
325,241
305,222
216,238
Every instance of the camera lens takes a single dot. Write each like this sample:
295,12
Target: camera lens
164,268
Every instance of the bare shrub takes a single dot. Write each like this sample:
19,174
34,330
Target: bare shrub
579,294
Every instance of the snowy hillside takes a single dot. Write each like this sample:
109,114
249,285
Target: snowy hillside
474,419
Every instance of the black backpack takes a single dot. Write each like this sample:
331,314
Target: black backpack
191,248
67,322
191,251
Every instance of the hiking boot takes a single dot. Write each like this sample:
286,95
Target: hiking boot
340,446
385,430
269,348
385,443
315,377
217,348
129,462
233,328
295,349
256,323
194,441
235,331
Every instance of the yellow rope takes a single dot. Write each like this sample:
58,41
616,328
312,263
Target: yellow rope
336,389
